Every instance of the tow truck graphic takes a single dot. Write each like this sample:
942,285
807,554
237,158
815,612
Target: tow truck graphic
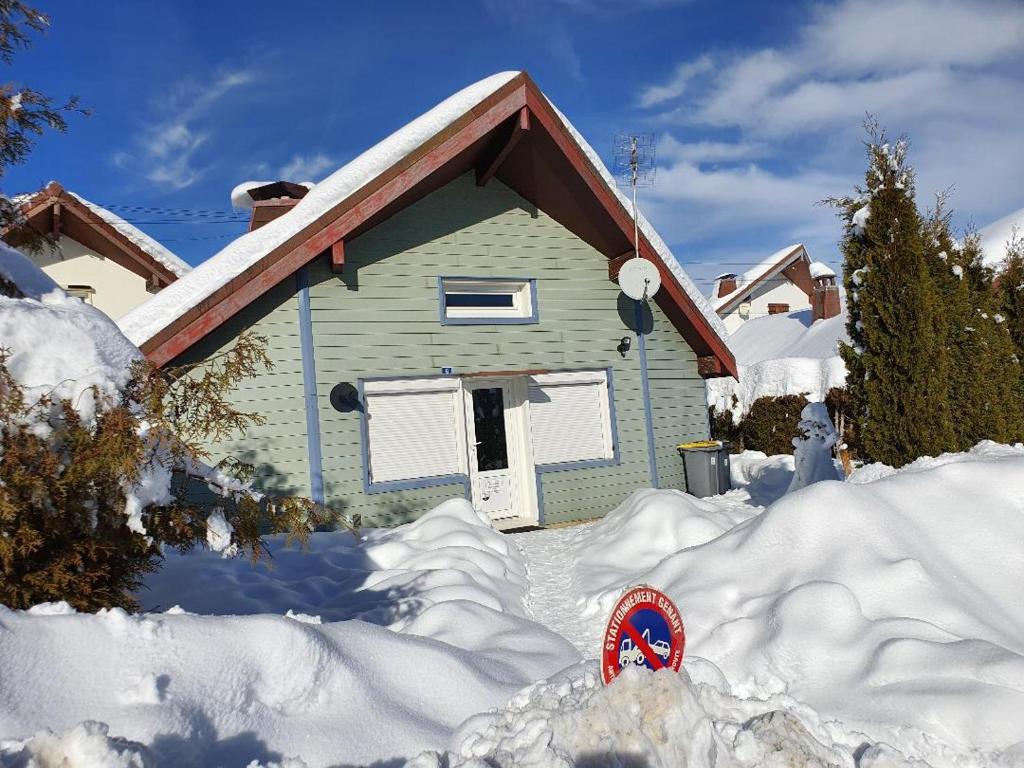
631,654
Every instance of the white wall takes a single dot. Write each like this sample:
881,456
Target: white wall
774,292
117,290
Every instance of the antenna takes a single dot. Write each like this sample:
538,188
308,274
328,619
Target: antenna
634,165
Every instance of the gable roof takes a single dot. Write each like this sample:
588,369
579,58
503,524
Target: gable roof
481,127
759,275
996,236
58,210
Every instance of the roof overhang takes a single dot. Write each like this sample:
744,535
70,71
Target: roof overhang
54,211
514,135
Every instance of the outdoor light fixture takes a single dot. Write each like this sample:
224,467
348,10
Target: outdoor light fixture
624,344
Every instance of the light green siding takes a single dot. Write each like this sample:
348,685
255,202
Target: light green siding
381,318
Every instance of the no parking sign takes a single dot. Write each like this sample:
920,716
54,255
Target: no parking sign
645,629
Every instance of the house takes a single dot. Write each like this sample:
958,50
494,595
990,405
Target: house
784,282
443,319
99,257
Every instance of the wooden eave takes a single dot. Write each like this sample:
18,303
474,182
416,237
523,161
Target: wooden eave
513,135
53,211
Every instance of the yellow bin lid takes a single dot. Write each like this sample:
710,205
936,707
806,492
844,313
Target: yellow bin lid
701,444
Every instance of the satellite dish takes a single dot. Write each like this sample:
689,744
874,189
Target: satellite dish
639,279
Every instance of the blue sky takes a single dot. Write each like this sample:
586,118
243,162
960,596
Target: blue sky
757,106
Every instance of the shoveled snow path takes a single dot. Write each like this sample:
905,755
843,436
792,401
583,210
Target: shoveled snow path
553,594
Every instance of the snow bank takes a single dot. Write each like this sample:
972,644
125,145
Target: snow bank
87,745
59,345
893,605
784,354
211,690
645,719
388,577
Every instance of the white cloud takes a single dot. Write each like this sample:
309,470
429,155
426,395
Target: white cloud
677,84
306,167
947,72
165,149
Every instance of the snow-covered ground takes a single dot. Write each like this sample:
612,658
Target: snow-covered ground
876,622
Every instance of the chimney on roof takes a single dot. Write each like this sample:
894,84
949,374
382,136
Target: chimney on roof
273,200
726,284
825,301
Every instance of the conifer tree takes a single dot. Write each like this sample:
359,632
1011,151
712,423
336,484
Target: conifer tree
898,364
1011,298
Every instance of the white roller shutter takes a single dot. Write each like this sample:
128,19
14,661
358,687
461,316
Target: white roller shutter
570,417
413,433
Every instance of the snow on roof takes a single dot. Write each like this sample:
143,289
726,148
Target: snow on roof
820,269
137,236
776,262
783,354
172,302
996,235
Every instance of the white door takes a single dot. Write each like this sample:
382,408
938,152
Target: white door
495,455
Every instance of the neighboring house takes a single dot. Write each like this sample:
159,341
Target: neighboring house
443,319
99,257
784,282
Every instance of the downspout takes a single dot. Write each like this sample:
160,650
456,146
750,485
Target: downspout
645,386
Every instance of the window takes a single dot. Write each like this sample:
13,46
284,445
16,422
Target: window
571,417
477,300
414,429
777,309
83,292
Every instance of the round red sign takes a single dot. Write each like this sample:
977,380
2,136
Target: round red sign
645,629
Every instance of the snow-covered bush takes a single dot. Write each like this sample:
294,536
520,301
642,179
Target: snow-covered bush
98,447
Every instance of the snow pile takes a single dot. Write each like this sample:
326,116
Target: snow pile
783,354
892,606
813,448
137,236
644,719
87,745
819,269
996,236
59,345
144,322
240,194
388,577
212,690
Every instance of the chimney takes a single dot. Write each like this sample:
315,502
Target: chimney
273,200
825,301
726,284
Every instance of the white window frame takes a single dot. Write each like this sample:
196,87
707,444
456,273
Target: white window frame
522,289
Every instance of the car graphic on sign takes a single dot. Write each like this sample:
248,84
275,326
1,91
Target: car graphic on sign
631,654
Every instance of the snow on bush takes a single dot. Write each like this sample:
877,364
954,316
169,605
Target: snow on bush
645,719
893,606
813,448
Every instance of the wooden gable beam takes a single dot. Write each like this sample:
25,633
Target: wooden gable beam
338,256
493,159
56,221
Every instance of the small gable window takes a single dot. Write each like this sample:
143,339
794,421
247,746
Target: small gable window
484,300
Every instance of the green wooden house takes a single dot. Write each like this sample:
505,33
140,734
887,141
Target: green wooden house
444,320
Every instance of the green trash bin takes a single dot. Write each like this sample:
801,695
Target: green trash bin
706,467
